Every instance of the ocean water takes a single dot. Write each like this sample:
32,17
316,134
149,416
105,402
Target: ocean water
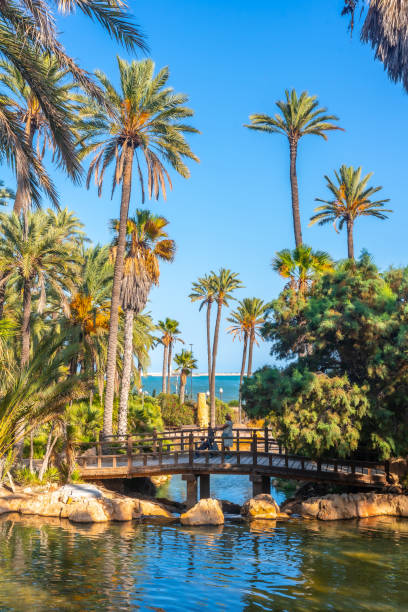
229,384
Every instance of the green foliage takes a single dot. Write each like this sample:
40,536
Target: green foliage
172,413
85,420
144,414
352,323
310,414
24,476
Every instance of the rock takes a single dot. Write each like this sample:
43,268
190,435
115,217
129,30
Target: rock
229,507
354,505
91,511
160,480
262,506
143,507
76,492
122,509
205,512
11,503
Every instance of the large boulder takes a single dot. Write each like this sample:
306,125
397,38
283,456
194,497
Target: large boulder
77,492
262,506
354,505
206,512
90,511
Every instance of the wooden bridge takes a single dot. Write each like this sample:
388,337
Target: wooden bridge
254,453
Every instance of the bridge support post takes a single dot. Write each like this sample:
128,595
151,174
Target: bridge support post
204,486
191,480
260,484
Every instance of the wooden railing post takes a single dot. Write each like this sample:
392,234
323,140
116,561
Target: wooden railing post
191,448
99,451
129,454
254,448
154,440
237,441
160,451
182,441
266,437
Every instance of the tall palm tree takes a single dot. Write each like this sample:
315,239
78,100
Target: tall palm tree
225,283
35,123
38,254
204,290
169,330
145,123
148,244
351,199
246,321
301,266
299,117
185,364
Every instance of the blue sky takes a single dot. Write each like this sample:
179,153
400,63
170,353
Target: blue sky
233,58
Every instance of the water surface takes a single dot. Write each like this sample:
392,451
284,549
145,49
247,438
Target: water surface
48,564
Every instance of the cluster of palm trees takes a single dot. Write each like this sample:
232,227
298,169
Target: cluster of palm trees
300,116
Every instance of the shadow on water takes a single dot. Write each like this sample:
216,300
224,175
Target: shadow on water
48,564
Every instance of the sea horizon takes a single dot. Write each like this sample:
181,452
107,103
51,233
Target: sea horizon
226,384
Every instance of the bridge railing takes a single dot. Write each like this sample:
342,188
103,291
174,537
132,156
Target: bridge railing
253,448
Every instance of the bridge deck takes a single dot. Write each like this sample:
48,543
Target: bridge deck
253,452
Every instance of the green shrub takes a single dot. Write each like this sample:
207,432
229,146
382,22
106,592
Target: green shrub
144,414
172,413
51,475
233,403
23,476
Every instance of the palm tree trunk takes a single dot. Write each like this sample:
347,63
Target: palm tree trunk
213,365
126,373
25,324
115,302
3,287
22,200
295,192
244,354
209,338
32,451
183,380
165,358
169,368
350,241
251,349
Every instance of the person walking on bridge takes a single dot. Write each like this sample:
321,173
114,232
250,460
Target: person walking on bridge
227,436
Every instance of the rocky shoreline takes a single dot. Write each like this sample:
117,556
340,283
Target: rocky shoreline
90,504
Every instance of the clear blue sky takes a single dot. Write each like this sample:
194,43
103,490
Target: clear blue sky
233,58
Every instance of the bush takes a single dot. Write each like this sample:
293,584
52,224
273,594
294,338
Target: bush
172,413
23,476
144,415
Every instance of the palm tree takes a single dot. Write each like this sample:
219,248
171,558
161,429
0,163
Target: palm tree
246,321
147,244
39,392
35,123
351,199
203,290
225,283
186,364
170,331
301,266
38,254
299,117
145,120
87,310
385,28
27,31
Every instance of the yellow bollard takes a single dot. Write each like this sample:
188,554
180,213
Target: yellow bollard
202,410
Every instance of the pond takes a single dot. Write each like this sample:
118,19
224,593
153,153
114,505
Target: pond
48,564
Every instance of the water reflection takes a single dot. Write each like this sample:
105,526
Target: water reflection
296,565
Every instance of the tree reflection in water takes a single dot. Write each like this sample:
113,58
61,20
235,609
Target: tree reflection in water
294,565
